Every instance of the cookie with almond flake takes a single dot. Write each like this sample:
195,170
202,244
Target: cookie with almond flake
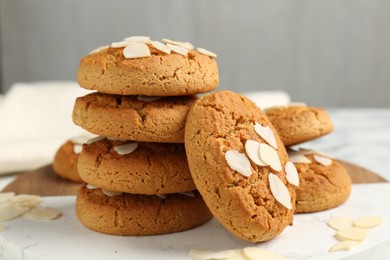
136,167
65,161
237,161
135,215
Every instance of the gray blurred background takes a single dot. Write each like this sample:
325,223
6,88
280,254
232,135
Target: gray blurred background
322,52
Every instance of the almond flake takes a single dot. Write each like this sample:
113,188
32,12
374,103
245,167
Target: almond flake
309,151
162,196
23,200
188,194
143,39
298,158
291,174
206,52
148,98
7,214
254,253
297,104
126,148
279,190
39,213
343,245
186,45
110,193
77,148
136,50
82,138
120,44
91,186
267,134
99,49
368,222
95,139
252,149
6,196
116,139
270,157
178,49
353,233
339,224
208,254
239,162
161,47
322,160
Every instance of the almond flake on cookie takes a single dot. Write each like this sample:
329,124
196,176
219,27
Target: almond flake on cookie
95,139
208,254
267,134
143,39
188,194
270,157
254,253
298,158
136,50
186,45
91,186
239,162
178,49
120,44
368,222
291,173
148,98
43,213
126,148
161,47
252,149
206,52
99,49
297,104
322,160
279,190
309,151
110,193
77,148
343,245
162,196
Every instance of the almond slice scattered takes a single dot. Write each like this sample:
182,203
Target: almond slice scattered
254,253
148,98
126,148
252,149
267,134
270,157
343,245
339,224
322,160
10,213
6,196
368,222
120,44
188,194
42,213
178,49
161,47
298,158
95,139
279,190
206,52
143,39
208,254
239,162
185,45
77,148
99,49
23,200
353,233
291,174
110,193
136,50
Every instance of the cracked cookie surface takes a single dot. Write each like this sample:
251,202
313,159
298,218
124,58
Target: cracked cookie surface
108,71
245,206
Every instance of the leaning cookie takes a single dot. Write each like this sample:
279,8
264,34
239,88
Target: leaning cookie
135,167
65,161
237,161
299,123
144,119
149,68
134,215
324,182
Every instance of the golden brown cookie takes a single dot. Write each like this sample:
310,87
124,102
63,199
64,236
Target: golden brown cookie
65,161
134,215
298,124
161,74
139,168
129,118
224,151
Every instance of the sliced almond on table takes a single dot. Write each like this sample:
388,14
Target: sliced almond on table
279,190
11,213
99,49
322,160
42,213
343,245
252,149
339,224
368,222
270,156
291,173
298,158
6,196
267,134
143,39
239,162
161,47
178,49
23,200
206,52
208,254
186,45
126,148
353,233
136,50
254,253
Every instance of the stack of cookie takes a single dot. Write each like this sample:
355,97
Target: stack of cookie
136,170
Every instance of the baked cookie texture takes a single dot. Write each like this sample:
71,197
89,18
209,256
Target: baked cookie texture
152,168
298,124
133,214
245,206
65,162
108,71
128,118
321,187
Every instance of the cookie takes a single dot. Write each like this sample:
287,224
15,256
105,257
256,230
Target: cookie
134,215
298,124
132,117
109,71
65,161
227,138
140,168
324,182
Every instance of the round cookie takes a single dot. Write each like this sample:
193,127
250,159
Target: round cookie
129,118
321,187
160,74
152,168
135,215
218,125
298,124
65,161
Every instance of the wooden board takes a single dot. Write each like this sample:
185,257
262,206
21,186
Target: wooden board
45,182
